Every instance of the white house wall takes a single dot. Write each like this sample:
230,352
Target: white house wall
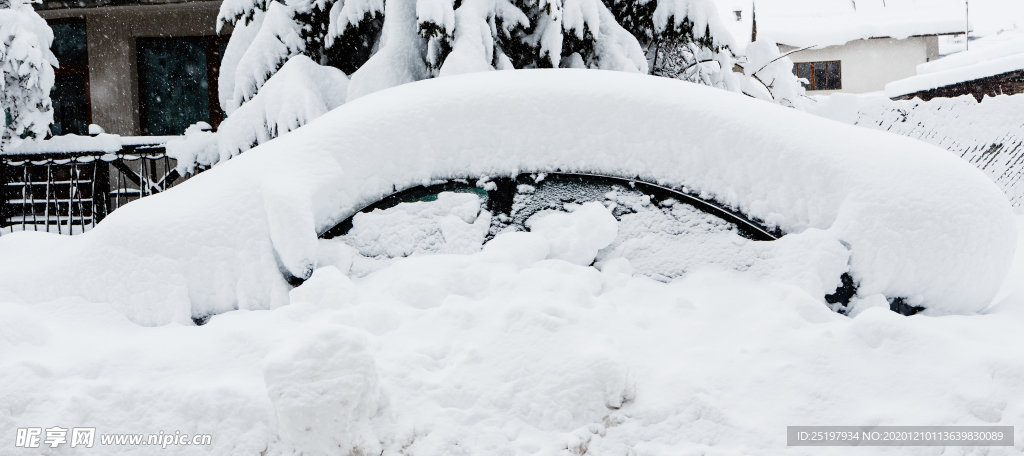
868,65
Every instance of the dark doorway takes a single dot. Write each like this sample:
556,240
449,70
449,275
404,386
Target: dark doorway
70,94
174,91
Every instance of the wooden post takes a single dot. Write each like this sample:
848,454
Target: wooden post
100,189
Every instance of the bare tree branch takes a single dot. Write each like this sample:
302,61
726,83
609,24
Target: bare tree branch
794,51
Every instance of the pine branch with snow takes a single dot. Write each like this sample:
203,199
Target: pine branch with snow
683,39
353,32
276,41
27,65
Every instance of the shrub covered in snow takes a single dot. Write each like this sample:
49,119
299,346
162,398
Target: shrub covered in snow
27,66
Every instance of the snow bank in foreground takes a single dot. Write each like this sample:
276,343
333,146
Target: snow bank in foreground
919,223
506,352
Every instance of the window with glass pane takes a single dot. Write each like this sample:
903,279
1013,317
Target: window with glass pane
834,76
70,94
820,75
173,85
803,70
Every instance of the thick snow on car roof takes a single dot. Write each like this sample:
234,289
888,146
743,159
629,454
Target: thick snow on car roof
919,222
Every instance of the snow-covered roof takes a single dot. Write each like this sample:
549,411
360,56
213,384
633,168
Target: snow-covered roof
989,56
916,221
834,22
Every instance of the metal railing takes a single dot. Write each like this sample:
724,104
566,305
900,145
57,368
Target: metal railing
70,192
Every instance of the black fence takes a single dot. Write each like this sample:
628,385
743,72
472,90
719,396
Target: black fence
69,193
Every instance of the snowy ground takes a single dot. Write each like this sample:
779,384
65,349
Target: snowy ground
506,352
526,344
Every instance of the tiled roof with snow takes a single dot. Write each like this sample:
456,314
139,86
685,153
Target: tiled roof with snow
834,22
990,56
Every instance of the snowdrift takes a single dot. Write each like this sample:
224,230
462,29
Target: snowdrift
918,222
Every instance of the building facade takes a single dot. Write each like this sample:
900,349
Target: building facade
134,68
864,65
849,46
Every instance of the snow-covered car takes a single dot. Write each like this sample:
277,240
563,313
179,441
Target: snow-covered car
694,178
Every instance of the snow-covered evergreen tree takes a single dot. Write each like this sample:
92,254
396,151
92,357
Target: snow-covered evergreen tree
384,43
27,65
683,39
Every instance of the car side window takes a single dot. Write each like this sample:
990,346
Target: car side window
448,221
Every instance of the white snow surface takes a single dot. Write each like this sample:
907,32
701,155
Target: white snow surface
509,352
103,142
519,346
69,143
918,222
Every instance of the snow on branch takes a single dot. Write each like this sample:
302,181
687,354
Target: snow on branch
241,39
276,41
770,76
474,47
401,58
700,16
435,20
347,14
232,12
